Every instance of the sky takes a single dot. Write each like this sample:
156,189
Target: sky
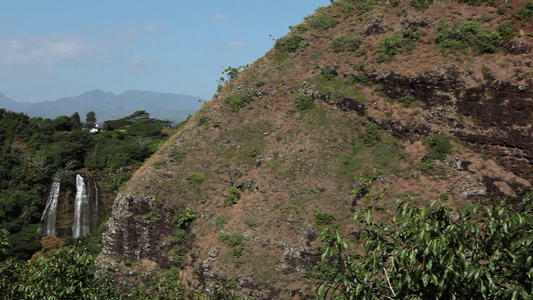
58,48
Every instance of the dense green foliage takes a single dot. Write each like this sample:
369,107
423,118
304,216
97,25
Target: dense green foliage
324,22
290,43
34,151
396,43
346,43
232,196
303,102
469,34
525,12
439,145
236,101
435,253
421,4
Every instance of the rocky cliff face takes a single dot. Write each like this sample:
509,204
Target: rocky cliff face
274,157
137,230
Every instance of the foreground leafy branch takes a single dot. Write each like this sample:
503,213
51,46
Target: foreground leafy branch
435,253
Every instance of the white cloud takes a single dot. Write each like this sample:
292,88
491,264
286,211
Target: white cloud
218,18
236,44
51,50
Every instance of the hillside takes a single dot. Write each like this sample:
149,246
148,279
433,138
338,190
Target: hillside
432,100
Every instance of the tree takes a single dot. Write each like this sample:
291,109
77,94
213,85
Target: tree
435,253
76,121
90,120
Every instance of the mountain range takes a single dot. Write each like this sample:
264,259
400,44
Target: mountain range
108,106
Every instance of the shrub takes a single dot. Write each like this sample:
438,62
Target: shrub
291,43
408,99
371,134
180,235
236,242
435,253
470,34
233,196
184,218
253,152
337,44
237,101
195,178
398,42
203,120
421,4
506,31
440,147
525,12
328,73
345,43
323,218
322,22
303,102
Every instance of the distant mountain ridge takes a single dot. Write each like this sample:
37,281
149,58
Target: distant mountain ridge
108,106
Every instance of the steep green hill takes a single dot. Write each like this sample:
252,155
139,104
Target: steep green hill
420,98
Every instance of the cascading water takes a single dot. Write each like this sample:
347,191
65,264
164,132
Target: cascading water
49,213
85,207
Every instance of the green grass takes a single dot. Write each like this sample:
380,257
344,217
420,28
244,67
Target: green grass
385,157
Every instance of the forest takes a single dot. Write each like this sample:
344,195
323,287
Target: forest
35,151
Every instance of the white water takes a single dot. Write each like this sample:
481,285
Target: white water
81,209
49,213
85,207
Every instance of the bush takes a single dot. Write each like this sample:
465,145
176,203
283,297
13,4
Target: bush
440,147
398,42
233,196
371,135
470,34
525,12
236,242
290,44
238,100
328,73
408,99
203,120
346,43
435,253
303,102
184,218
421,4
322,22
195,178
323,218
506,31
254,152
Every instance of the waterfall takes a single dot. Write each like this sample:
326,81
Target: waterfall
85,207
49,213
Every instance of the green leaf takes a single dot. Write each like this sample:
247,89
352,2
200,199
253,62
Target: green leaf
368,215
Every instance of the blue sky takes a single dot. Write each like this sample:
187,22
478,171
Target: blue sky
51,49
